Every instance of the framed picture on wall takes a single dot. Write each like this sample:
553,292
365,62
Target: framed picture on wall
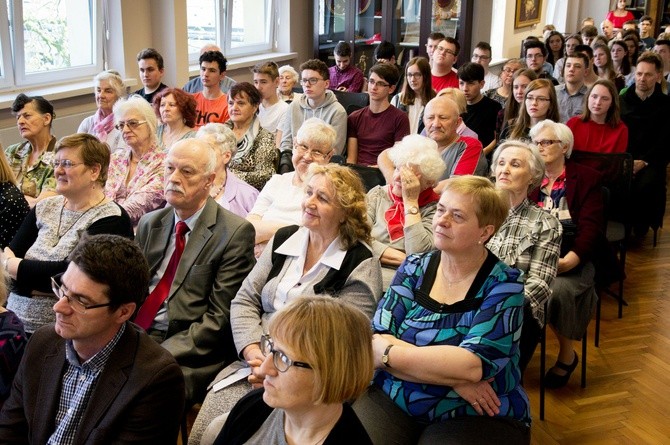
527,13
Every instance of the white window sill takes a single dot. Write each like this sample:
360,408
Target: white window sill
248,61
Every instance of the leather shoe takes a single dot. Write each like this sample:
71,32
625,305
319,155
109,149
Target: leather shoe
553,380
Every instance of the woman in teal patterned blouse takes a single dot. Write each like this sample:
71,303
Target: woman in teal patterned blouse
447,333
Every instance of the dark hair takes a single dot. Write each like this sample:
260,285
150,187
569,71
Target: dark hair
93,152
511,105
387,72
484,46
584,49
528,44
214,56
185,103
316,65
385,50
471,72
589,31
580,55
115,262
269,68
41,105
342,49
408,95
550,53
626,67
613,117
653,58
245,87
628,37
662,42
631,22
646,18
455,43
522,122
609,70
150,53
436,36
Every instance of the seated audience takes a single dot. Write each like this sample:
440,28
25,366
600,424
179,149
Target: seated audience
571,42
573,194
385,53
53,227
256,157
176,111
135,178
607,30
434,38
571,94
662,48
229,191
504,91
621,62
446,336
317,101
328,256
555,45
416,92
459,99
520,80
482,55
632,42
271,110
150,63
94,377
344,75
195,85
599,128
444,57
211,103
198,255
646,31
529,239
539,103
108,89
619,15
591,76
278,204
401,211
12,341
30,161
536,54
13,206
288,78
378,126
589,33
331,339
604,67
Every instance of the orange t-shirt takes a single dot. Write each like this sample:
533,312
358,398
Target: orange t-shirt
210,110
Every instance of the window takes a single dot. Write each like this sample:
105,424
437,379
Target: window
51,40
239,27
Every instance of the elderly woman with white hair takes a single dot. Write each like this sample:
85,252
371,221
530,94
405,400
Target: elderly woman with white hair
573,193
108,89
135,179
529,239
401,213
229,191
288,78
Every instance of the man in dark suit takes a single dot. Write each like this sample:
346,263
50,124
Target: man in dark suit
94,377
191,318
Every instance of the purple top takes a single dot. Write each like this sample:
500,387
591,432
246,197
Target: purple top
352,78
238,196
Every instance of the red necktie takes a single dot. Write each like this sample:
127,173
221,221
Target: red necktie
149,309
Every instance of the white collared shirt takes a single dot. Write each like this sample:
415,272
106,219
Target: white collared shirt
295,249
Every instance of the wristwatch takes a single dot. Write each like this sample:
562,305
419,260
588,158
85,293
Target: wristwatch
412,210
385,356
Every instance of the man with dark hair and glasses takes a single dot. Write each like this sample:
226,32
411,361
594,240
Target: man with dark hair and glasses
482,55
444,57
317,101
536,53
94,376
378,126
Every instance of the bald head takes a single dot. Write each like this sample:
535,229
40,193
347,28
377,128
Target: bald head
209,47
441,118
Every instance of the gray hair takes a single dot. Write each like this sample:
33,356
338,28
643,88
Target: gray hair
561,132
114,79
535,161
317,132
139,104
210,165
219,136
289,69
421,151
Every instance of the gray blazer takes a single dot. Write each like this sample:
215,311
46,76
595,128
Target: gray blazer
217,257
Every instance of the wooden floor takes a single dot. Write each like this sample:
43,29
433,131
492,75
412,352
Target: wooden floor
627,394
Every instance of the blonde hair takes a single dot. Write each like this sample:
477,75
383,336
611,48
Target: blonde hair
6,173
350,197
491,204
457,96
335,338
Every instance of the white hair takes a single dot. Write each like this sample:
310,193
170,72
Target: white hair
219,136
114,79
420,151
139,104
561,132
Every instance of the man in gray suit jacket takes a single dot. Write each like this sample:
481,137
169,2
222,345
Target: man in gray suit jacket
94,377
192,322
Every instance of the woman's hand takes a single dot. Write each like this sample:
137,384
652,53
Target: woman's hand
254,357
11,266
411,186
480,395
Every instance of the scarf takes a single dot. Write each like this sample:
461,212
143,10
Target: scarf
245,144
395,215
102,126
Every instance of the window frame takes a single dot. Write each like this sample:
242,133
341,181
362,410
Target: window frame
7,74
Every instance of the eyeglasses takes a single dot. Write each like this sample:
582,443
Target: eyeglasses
480,57
412,75
378,84
508,70
75,302
279,359
544,143
314,154
65,163
132,124
537,99
442,50
311,81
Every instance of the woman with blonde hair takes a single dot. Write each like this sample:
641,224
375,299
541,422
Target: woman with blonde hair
327,256
13,205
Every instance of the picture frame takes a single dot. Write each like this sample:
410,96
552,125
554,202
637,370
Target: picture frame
528,13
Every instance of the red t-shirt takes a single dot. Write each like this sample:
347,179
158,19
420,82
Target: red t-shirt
210,110
598,138
449,80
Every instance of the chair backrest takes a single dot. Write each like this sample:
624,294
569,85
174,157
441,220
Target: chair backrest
352,101
617,174
285,163
371,176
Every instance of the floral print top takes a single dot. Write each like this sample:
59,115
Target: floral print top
32,179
